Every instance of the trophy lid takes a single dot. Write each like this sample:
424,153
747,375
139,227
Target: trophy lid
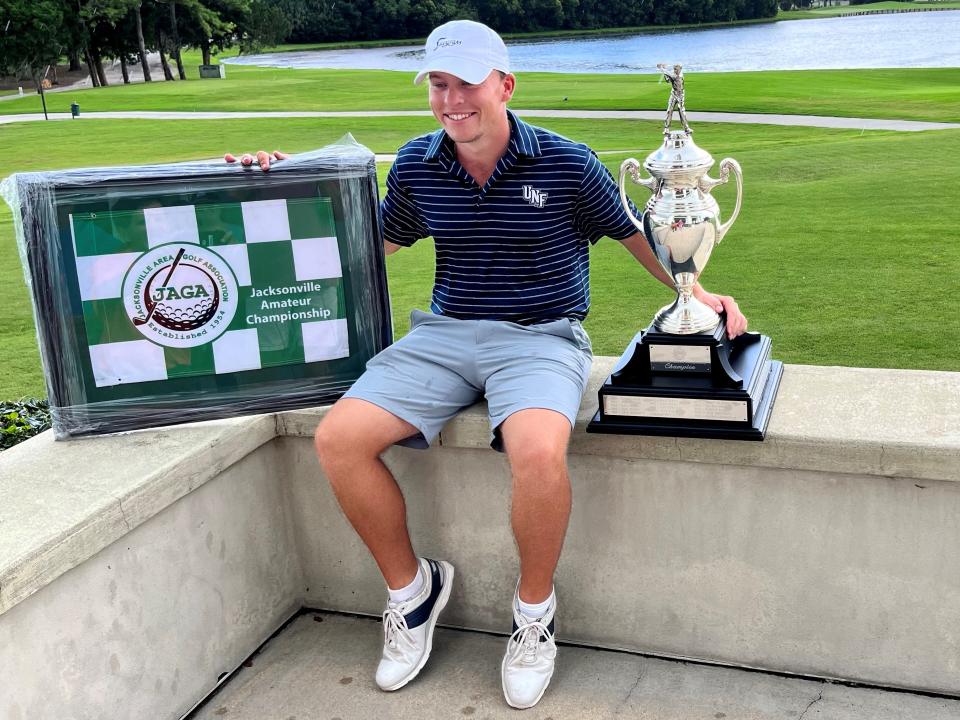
678,154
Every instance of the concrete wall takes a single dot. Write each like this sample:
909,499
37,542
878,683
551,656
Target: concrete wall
144,628
825,574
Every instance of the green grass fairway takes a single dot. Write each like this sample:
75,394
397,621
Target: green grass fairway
867,8
911,94
839,254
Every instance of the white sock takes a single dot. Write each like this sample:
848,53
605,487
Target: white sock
405,593
537,611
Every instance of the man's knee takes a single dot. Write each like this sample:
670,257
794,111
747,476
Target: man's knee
538,457
328,440
355,429
536,444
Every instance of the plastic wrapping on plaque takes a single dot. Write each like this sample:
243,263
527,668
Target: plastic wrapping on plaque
173,293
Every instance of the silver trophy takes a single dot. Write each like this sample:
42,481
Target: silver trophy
683,376
681,220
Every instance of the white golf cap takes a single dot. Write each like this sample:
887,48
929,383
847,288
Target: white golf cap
467,49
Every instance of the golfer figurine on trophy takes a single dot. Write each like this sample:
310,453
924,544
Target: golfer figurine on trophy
676,97
682,375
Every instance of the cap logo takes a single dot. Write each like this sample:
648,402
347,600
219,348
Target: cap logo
445,42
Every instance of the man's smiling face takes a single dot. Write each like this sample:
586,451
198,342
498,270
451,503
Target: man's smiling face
466,111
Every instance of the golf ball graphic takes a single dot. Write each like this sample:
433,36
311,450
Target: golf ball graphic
187,302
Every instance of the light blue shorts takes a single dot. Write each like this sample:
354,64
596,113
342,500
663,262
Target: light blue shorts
444,365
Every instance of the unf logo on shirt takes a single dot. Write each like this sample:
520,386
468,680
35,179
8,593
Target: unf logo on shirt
537,198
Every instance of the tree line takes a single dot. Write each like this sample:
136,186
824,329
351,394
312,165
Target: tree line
35,34
332,20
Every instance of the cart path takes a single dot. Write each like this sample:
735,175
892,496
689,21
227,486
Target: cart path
738,118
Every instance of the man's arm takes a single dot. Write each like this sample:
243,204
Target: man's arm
401,221
637,246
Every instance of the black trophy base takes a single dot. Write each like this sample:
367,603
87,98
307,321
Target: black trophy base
702,385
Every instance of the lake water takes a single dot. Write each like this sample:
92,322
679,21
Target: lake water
921,39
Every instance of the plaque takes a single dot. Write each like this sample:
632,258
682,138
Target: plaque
195,291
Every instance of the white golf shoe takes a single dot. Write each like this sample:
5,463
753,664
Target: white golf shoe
528,663
408,627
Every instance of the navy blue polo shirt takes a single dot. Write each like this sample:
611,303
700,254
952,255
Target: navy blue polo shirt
516,249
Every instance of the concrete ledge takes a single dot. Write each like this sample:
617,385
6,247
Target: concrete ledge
150,624
65,501
888,423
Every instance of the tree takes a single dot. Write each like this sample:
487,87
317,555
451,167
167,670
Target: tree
175,38
760,8
141,42
211,24
420,18
321,20
96,32
30,37
266,24
30,40
155,17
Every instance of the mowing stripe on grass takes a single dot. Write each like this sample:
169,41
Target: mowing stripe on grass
735,118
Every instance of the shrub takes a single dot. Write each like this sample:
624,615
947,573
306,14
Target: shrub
22,419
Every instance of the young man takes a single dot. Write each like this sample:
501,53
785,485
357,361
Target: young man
513,210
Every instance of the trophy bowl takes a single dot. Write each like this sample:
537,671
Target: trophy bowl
681,222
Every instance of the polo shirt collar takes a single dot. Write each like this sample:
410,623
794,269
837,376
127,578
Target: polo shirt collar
436,146
523,141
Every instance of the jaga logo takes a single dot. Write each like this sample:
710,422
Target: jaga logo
537,198
180,295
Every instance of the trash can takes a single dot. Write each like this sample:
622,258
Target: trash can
75,109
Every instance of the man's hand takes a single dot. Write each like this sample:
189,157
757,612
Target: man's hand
736,322
262,158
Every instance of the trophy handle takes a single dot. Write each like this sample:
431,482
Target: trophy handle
707,184
632,165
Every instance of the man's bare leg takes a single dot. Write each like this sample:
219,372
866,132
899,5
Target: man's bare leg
349,441
536,444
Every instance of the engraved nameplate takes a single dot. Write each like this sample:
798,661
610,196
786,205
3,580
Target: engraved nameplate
680,358
680,408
